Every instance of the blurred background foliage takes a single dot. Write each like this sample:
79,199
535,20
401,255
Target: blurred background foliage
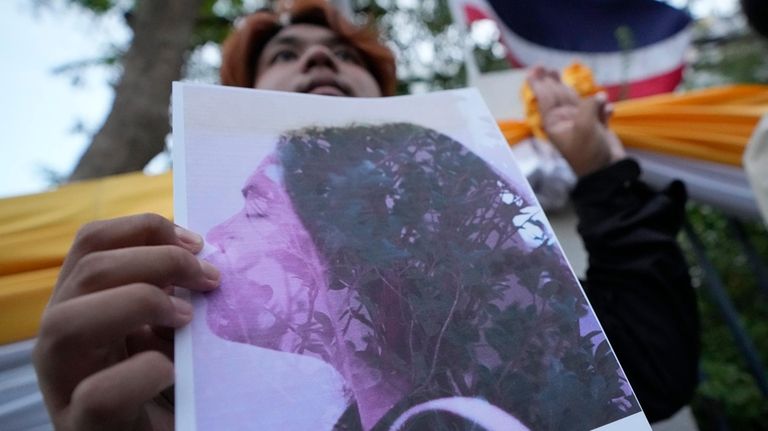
430,54
728,396
725,51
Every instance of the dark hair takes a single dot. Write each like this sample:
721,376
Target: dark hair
242,48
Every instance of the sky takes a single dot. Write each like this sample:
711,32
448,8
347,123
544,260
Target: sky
41,111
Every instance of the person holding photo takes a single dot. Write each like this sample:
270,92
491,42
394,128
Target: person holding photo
104,353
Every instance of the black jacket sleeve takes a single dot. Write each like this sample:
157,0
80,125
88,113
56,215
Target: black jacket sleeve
638,283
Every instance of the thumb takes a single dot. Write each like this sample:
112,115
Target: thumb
605,108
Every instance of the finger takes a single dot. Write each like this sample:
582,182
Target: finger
605,109
553,74
536,72
542,90
589,112
80,333
564,94
560,121
586,121
131,231
113,398
102,318
568,95
550,92
161,265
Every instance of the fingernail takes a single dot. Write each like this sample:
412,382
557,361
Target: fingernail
210,272
188,237
183,308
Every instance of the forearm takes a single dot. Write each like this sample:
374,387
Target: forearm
638,282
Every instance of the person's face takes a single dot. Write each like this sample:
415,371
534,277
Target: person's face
305,58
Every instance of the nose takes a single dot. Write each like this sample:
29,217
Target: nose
318,56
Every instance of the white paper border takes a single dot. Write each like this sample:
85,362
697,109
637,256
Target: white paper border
184,397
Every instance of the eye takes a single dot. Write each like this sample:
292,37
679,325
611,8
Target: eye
283,55
347,54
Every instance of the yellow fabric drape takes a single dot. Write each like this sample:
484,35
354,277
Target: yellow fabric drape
712,125
37,230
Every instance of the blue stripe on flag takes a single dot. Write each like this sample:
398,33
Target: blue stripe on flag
590,25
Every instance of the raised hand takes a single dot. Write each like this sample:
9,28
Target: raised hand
105,348
575,126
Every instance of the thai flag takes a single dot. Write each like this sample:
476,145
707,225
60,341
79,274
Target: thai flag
634,47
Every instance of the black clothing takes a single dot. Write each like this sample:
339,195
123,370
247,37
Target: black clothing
638,284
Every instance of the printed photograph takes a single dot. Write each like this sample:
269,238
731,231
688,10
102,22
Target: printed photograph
373,269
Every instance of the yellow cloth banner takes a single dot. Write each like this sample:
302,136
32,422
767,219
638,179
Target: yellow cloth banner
37,230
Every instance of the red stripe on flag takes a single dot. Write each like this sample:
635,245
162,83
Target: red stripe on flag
647,87
474,13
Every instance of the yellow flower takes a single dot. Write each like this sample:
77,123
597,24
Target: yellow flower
532,116
577,76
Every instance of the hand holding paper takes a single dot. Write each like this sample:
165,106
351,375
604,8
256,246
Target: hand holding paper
105,346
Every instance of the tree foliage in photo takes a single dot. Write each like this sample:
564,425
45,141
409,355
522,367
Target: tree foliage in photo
429,242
